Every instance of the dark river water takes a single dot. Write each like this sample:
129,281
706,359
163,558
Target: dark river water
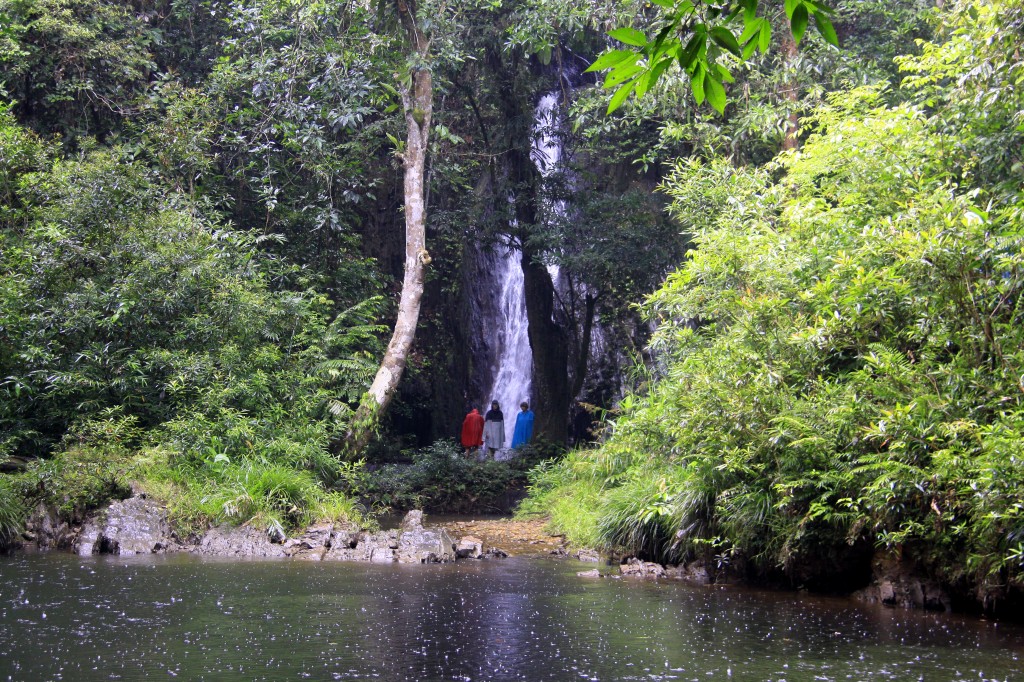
105,618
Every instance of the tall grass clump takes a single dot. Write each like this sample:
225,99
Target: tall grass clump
12,512
278,498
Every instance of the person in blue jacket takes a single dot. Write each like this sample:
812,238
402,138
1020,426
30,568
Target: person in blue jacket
524,426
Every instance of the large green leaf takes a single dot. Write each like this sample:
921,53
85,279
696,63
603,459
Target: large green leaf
629,36
612,58
697,85
620,96
725,38
798,22
716,93
620,74
826,29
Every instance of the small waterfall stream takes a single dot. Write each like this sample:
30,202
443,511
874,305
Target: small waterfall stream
514,361
510,357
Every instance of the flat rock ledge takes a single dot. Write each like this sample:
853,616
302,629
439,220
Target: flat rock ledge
140,525
410,544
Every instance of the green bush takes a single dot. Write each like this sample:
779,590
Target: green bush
839,361
214,490
78,480
132,318
441,479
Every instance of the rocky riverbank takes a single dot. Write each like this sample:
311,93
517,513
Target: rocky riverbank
139,525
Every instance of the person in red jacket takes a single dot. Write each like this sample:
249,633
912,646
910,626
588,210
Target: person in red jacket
472,432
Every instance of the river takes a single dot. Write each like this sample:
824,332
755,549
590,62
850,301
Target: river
64,617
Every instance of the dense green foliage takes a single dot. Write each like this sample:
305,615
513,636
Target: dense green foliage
200,212
839,359
701,37
12,512
132,319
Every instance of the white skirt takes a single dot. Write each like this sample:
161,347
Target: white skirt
494,435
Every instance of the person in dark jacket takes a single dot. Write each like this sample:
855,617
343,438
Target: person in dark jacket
494,429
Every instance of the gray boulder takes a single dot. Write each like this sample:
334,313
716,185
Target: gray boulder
642,569
469,547
240,541
46,529
419,545
313,544
695,572
137,525
376,547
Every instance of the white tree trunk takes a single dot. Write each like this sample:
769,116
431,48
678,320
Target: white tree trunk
417,100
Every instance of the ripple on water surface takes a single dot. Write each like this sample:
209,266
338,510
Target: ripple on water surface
102,618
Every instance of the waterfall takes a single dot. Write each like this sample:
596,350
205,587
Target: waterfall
547,150
503,316
500,345
514,360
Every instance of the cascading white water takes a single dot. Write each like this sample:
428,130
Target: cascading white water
512,373
500,305
547,150
514,359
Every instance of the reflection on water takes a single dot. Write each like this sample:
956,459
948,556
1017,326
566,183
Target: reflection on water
69,618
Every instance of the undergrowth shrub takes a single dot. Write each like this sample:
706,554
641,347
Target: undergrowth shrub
274,497
78,480
133,320
441,479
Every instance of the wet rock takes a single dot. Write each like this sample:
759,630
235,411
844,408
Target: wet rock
592,573
695,572
469,547
898,582
411,544
45,528
137,525
376,547
314,542
240,541
419,545
642,569
589,555
412,521
494,553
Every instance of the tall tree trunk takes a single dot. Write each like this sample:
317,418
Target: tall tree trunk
417,101
583,352
550,352
790,93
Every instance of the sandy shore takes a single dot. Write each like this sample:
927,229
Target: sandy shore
511,535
